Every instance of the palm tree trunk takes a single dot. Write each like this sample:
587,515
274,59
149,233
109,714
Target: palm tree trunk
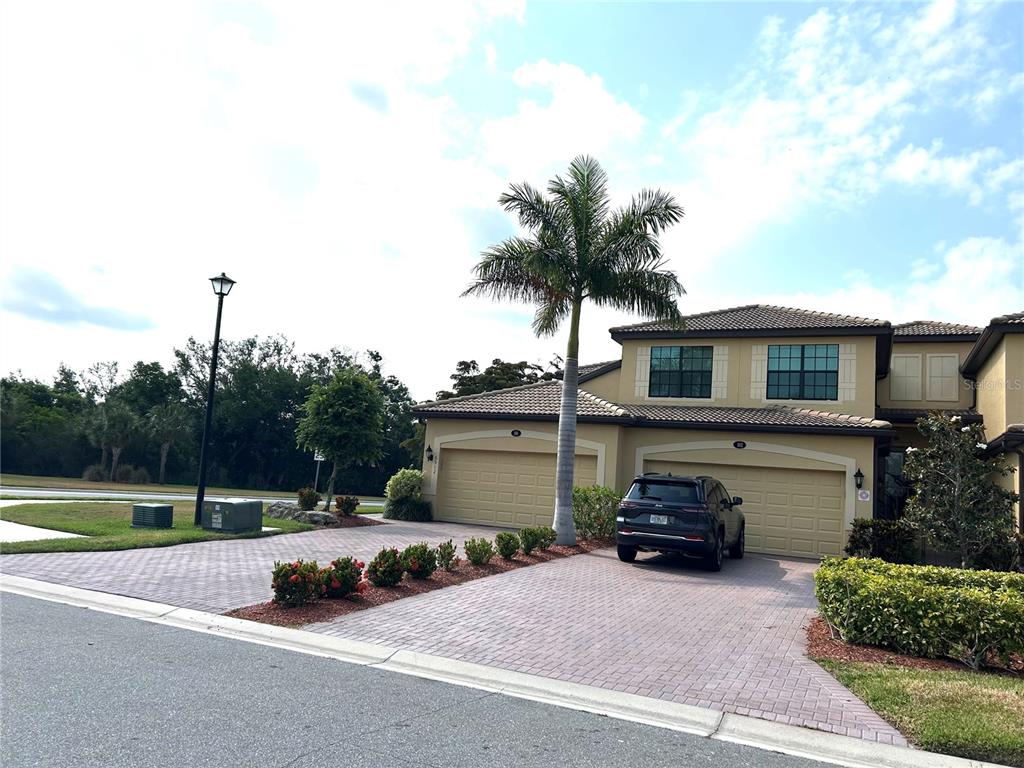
103,457
115,455
330,487
165,448
566,460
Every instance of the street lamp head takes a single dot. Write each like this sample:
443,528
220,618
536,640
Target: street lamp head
222,284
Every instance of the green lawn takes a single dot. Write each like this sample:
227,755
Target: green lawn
969,714
77,484
109,527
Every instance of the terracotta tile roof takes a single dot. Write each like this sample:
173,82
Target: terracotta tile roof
911,415
541,401
934,328
755,317
598,368
773,416
1014,318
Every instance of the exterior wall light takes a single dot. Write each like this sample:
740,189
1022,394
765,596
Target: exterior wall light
430,453
858,478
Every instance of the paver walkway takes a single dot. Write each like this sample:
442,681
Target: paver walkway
731,641
217,576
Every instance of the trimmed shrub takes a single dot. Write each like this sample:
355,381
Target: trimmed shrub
345,506
308,499
478,551
593,511
125,473
385,570
140,476
343,577
894,541
296,583
446,555
94,474
404,484
507,544
419,561
547,536
530,539
927,611
412,510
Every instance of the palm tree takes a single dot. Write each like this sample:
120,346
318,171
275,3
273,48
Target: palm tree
167,424
580,249
121,426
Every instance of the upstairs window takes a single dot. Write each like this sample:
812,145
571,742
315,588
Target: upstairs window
803,372
680,372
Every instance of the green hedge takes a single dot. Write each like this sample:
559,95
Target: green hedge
923,610
593,511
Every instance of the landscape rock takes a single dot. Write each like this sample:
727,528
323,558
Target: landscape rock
285,510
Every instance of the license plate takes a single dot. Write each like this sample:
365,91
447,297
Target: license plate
659,519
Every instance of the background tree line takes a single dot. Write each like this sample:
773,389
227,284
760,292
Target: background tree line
146,425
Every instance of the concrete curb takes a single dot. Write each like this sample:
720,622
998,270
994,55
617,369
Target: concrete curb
738,729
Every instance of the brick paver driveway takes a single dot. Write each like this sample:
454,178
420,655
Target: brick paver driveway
220,575
731,641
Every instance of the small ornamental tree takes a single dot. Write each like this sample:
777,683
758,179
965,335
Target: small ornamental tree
345,420
956,500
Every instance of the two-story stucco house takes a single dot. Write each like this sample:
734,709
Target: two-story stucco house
803,414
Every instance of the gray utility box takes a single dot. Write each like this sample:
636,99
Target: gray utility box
152,515
232,515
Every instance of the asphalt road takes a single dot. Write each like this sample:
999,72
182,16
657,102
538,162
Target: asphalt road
75,493
83,688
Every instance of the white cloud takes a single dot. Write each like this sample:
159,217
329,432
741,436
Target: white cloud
918,166
580,116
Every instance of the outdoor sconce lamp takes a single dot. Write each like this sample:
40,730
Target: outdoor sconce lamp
858,478
430,453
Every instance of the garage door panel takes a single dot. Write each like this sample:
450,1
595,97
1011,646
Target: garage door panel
502,488
788,511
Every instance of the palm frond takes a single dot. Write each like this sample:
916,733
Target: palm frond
504,272
585,198
549,316
651,293
530,207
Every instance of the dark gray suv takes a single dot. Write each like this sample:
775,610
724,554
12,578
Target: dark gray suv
692,516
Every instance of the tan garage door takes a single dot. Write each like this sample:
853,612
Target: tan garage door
796,512
502,487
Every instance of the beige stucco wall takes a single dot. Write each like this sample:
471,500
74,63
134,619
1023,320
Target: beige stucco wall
740,359
923,349
605,386
1000,386
1009,482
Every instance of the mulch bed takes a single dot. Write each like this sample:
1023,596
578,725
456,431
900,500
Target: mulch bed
821,645
325,610
356,521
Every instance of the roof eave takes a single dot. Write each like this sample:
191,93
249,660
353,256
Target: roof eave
985,345
936,337
620,335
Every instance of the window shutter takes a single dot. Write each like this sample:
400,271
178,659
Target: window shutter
758,371
643,371
905,377
847,372
942,377
720,373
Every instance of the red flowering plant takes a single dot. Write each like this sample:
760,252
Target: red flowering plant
296,583
342,577
385,570
419,561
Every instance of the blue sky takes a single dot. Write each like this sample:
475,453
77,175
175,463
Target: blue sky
342,162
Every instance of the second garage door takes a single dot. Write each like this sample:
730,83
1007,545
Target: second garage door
502,487
796,512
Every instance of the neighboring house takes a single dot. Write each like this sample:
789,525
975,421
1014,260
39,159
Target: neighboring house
801,413
994,370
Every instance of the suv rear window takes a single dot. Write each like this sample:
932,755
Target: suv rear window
658,490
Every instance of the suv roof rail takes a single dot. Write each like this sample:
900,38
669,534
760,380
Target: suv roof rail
648,474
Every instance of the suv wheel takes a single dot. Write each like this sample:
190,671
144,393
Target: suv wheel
736,550
626,554
713,562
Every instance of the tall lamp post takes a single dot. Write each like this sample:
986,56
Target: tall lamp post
222,287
